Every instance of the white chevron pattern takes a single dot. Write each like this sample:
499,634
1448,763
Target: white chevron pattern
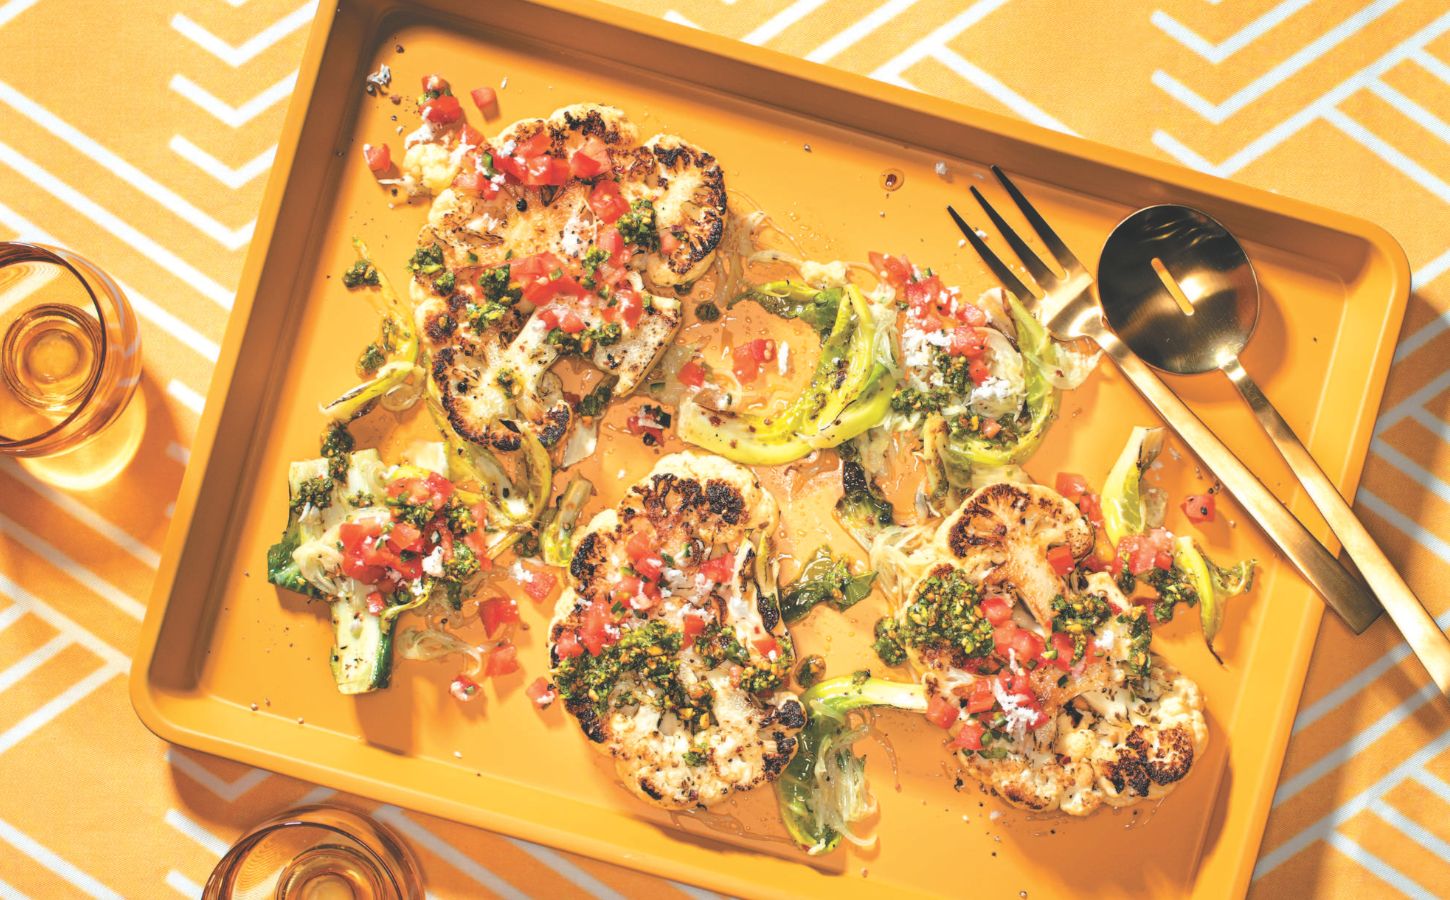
232,178
253,46
235,116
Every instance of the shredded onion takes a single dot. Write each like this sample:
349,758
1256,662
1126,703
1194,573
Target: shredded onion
582,440
1155,506
844,796
401,397
1073,368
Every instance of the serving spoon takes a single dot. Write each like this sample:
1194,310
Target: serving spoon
1181,293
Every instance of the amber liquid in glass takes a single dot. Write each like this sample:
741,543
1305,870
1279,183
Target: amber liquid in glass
70,361
50,356
317,853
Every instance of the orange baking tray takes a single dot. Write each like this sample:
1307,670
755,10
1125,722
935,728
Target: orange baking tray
807,144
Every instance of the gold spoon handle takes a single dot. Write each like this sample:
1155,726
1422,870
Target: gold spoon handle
1415,623
1344,593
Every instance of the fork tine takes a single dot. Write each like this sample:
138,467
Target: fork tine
1044,231
1004,274
1039,271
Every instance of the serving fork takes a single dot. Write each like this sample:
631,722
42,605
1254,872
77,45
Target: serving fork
1070,310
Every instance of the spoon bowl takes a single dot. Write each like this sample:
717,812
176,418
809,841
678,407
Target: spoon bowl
1178,289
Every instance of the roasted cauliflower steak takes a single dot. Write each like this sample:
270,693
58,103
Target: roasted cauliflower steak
668,646
1097,719
552,238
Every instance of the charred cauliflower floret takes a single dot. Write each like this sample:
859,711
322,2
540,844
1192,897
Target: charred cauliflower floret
668,646
543,242
1042,671
1004,532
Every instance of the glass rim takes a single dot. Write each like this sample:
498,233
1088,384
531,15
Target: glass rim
32,252
297,818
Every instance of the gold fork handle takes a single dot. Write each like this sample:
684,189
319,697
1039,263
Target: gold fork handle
1344,593
1415,623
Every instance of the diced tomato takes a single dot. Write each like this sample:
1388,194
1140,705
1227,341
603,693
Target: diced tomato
997,610
971,314
1028,646
357,541
629,305
1199,508
968,341
650,566
767,647
533,145
894,270
470,136
1003,638
476,542
541,692
744,363
1061,559
747,357
991,428
539,585
669,243
981,698
692,374
721,569
693,622
925,294
476,183
599,629
1092,507
545,170
504,660
625,590
611,242
567,645
433,490
443,110
463,688
970,737
376,604
1141,552
605,200
979,371
590,159
1094,564
1016,683
435,82
486,99
379,158
406,536
496,612
640,544
1071,486
571,322
641,425
942,711
1063,645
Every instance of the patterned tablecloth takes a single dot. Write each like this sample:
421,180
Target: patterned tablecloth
141,135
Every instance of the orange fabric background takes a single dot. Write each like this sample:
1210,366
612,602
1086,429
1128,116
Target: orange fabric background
142,138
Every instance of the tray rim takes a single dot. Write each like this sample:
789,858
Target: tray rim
146,697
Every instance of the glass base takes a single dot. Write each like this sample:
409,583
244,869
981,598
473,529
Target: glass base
100,459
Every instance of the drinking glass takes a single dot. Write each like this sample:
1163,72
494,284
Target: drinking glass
317,853
70,361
